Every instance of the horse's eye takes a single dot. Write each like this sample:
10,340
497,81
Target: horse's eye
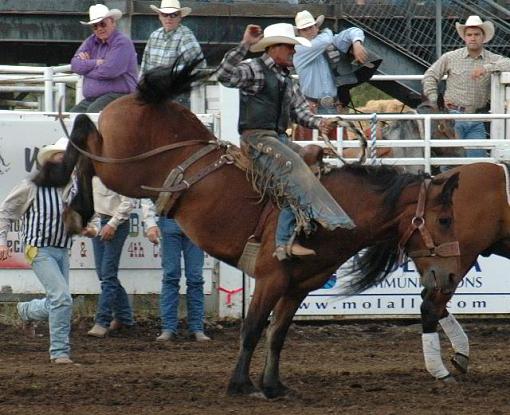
445,221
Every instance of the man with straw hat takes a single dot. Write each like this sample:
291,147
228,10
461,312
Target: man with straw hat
469,78
268,100
46,247
106,59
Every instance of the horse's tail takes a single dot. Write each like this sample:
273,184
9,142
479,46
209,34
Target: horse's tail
167,82
372,267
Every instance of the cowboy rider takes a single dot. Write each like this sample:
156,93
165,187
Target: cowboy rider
268,100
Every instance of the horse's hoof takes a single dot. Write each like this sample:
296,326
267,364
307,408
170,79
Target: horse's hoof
236,389
279,392
450,380
460,362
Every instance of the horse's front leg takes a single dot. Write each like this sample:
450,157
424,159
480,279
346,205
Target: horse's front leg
267,292
433,310
276,333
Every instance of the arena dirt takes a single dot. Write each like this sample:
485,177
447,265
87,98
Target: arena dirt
356,368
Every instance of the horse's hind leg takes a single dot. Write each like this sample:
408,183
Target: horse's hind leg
276,333
267,292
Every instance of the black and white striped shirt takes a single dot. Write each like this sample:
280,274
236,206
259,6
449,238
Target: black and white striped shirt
42,222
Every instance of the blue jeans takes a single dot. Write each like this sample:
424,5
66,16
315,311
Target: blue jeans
96,104
173,242
51,266
113,301
471,130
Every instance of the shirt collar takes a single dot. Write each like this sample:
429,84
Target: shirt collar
465,54
270,63
109,40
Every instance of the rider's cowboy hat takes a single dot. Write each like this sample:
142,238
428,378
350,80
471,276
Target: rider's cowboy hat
475,21
305,19
279,33
48,151
171,6
98,12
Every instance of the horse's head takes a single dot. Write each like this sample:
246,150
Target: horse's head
429,237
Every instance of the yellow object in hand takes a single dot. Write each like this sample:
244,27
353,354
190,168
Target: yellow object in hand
30,253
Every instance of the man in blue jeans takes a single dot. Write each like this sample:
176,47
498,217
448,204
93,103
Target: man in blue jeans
110,229
174,242
46,247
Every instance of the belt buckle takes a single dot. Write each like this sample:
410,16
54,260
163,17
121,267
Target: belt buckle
327,101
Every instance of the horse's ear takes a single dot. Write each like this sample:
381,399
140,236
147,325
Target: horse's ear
446,195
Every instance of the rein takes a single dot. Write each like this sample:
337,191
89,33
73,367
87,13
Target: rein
448,249
141,156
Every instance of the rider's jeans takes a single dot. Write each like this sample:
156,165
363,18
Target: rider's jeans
471,130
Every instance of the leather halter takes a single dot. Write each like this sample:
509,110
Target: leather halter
448,249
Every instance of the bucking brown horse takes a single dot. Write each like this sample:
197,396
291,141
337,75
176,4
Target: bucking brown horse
142,137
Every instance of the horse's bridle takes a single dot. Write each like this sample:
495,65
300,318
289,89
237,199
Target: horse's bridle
447,249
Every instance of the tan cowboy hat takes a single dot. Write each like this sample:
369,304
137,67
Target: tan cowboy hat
171,6
305,19
48,151
475,21
279,33
98,12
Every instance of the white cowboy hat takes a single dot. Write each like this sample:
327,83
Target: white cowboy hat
98,12
171,6
48,151
475,21
305,19
279,33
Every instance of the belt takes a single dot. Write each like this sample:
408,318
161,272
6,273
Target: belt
455,107
324,101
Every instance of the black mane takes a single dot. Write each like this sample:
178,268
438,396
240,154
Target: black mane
168,82
377,261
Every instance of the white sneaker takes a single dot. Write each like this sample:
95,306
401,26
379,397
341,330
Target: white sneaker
166,336
201,337
97,331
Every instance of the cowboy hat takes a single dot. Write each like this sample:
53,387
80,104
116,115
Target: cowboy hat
279,33
475,21
98,12
305,19
171,6
48,151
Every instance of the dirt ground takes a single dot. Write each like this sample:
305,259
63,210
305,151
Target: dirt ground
348,368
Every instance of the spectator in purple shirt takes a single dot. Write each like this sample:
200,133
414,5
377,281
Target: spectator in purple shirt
107,61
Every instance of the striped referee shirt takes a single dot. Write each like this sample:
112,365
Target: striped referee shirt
41,210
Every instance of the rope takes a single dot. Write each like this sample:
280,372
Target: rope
373,139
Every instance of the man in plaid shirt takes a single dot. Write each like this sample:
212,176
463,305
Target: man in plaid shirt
171,41
268,100
469,78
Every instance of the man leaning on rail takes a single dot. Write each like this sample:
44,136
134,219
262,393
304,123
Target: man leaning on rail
268,100
468,85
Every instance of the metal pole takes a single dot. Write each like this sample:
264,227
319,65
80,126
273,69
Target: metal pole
427,153
439,29
48,89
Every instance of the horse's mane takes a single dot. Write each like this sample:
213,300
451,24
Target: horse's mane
377,261
385,179
165,83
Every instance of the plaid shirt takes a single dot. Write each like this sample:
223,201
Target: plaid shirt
163,48
248,76
461,89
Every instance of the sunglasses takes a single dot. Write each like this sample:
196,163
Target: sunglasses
171,15
95,26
